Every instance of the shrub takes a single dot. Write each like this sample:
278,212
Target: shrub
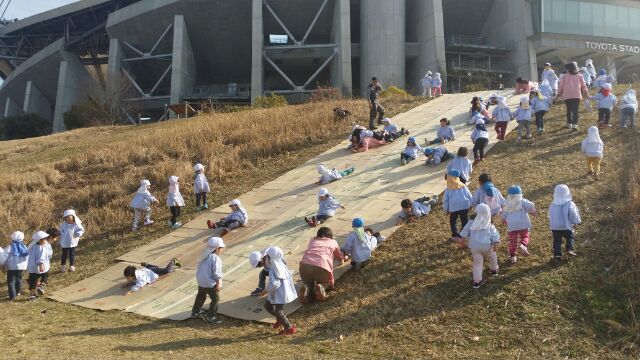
26,126
474,87
393,91
326,93
272,101
78,116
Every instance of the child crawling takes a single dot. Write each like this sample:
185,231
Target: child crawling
147,274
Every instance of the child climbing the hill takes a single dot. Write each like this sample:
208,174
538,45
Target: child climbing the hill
436,85
200,187
327,176
539,106
523,116
39,264
483,242
256,260
209,278
602,79
410,152
280,290
488,194
415,209
480,138
550,76
462,164
327,208
141,204
606,102
390,131
501,115
445,133
628,107
71,230
238,217
456,202
516,215
359,245
147,274
593,149
16,262
174,201
563,217
437,155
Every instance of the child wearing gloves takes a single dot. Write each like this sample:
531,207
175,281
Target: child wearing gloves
238,217
437,155
17,258
480,138
174,201
39,264
328,176
200,187
256,260
628,107
209,278
488,194
483,240
141,204
593,149
327,206
71,230
516,215
415,209
359,245
147,274
456,202
539,106
501,115
563,217
462,164
445,132
606,102
523,116
410,152
280,290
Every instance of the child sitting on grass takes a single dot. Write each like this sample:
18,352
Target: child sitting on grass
147,274
16,262
437,155
410,152
523,116
141,204
327,176
71,230
38,264
238,217
606,102
209,278
280,290
488,194
415,209
445,133
480,138
327,206
593,149
391,132
359,245
462,164
174,201
456,202
563,217
483,242
200,187
516,215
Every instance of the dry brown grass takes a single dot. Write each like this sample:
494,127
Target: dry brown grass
414,300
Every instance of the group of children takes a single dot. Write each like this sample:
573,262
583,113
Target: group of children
35,257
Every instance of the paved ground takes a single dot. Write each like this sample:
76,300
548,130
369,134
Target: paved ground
276,212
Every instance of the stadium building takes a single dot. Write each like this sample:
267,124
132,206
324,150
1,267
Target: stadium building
170,51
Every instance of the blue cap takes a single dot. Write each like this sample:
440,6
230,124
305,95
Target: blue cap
454,173
514,190
489,189
357,223
412,139
602,72
428,151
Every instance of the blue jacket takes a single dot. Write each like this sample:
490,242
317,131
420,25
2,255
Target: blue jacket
538,104
418,209
358,250
438,154
563,217
605,102
519,220
501,115
328,207
461,164
446,132
480,239
142,200
477,134
209,271
456,200
522,114
413,151
39,255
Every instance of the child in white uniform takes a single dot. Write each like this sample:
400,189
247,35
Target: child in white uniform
39,264
71,230
483,240
200,187
141,204
174,201
280,290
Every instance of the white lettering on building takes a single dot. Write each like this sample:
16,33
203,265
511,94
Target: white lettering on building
622,48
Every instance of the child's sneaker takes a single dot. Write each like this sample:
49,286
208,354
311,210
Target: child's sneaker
513,259
321,295
205,207
148,222
72,268
176,226
403,162
176,262
33,298
309,222
572,253
557,258
197,315
569,126
290,331
576,128
476,285
211,224
211,319
303,294
40,289
277,324
495,272
523,249
256,292
63,268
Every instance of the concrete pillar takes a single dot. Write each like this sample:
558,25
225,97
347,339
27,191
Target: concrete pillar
382,42
10,108
341,76
75,85
115,59
183,71
257,44
35,102
431,41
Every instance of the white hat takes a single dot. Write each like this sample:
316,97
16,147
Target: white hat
69,212
39,235
254,258
386,120
215,242
17,236
235,202
323,192
606,86
198,167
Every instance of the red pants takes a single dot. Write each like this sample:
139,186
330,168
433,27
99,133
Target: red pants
513,240
501,129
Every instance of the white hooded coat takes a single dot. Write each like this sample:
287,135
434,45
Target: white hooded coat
174,197
70,233
629,100
142,199
280,288
327,176
593,146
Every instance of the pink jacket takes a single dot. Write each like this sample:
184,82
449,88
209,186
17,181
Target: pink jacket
368,143
572,87
320,252
523,88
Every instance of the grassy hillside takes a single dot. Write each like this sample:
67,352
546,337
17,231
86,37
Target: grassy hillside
413,301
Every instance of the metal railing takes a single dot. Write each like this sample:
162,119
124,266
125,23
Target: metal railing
475,65
477,42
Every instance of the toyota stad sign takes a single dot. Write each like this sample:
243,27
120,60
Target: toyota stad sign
610,47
